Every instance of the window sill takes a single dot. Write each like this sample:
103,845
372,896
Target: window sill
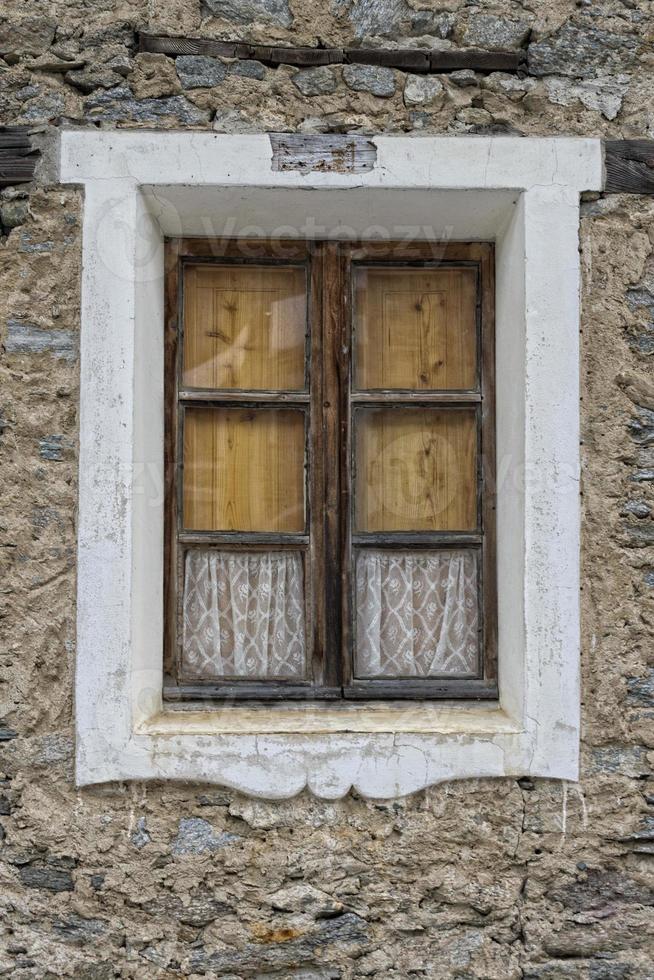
419,717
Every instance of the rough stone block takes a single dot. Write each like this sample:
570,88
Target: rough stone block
247,11
422,90
197,836
198,71
370,78
495,33
315,81
582,52
28,338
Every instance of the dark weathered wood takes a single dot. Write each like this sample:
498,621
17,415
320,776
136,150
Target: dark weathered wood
410,689
476,60
487,460
158,44
18,157
299,57
416,539
171,545
327,154
452,397
250,691
405,59
629,166
216,397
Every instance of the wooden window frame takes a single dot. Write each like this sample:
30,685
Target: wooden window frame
330,402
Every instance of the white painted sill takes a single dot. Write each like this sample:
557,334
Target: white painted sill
521,193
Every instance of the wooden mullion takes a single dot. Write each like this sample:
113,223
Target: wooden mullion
171,548
317,626
403,397
242,397
416,539
245,539
334,435
276,690
488,583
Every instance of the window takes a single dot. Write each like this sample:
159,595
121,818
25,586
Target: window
330,470
141,188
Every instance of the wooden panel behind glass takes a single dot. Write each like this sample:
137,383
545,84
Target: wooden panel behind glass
243,469
416,470
415,328
244,327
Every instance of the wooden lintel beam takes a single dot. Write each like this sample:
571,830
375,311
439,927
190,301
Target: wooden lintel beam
405,59
629,166
17,155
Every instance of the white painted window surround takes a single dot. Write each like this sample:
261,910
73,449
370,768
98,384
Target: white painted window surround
524,194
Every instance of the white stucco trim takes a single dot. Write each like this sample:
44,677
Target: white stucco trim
524,194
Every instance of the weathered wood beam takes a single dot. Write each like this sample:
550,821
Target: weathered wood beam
406,59
17,155
629,166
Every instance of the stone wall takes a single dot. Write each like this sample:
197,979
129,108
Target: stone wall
486,879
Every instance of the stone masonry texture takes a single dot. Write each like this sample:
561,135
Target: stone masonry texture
479,880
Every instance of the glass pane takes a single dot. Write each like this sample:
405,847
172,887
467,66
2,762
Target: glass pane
244,327
416,614
244,469
243,615
416,470
415,328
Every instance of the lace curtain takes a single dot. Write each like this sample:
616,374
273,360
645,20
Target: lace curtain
243,615
416,614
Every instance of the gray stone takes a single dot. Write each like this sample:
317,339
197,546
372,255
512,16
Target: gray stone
638,508
52,447
429,22
27,338
349,931
422,90
370,78
7,734
197,836
604,95
89,79
315,81
648,579
13,214
640,690
42,109
27,245
504,84
248,69
628,760
641,300
248,11
597,888
119,105
140,836
77,930
463,78
376,17
392,18
198,71
46,878
495,33
582,52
